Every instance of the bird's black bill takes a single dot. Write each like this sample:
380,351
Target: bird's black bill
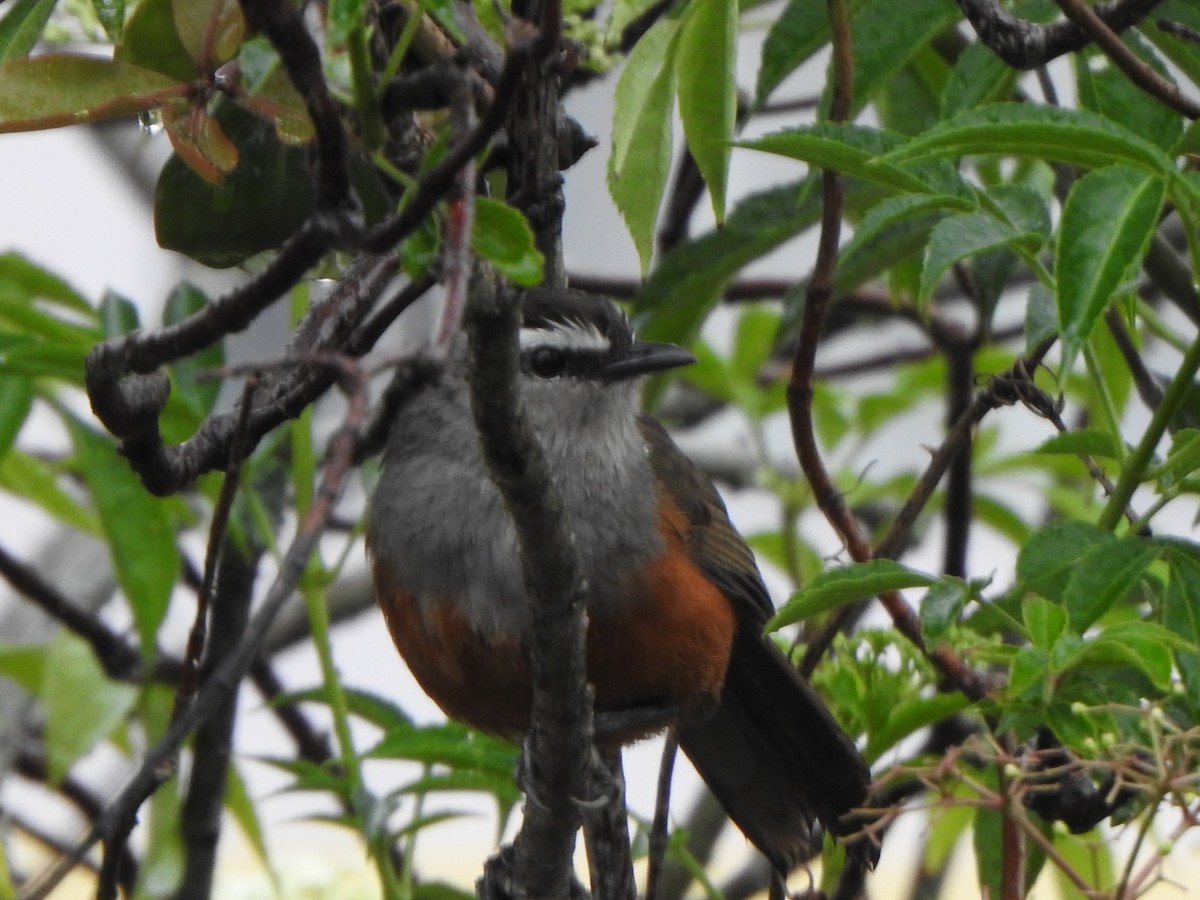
644,357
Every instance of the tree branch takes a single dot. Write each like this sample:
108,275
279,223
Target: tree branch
1027,45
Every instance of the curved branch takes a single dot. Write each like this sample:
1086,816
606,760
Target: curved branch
1027,45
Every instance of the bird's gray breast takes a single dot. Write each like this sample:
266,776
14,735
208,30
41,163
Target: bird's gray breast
440,525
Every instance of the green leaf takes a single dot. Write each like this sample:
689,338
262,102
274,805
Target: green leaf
141,538
910,716
36,481
24,280
1181,615
1143,646
21,27
1107,90
705,64
16,401
450,744
210,30
1104,575
688,282
503,237
82,706
847,148
1081,441
894,229
344,16
111,14
941,605
1041,316
800,31
884,39
24,666
118,315
1046,561
185,300
1183,458
838,587
58,89
642,119
1044,621
1107,222
979,76
152,41
258,205
1072,136
377,710
955,238
242,807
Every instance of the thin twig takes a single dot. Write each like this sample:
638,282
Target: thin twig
1139,72
155,769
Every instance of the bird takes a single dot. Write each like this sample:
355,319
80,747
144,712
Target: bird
675,602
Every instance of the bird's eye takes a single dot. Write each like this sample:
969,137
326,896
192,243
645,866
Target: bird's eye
546,362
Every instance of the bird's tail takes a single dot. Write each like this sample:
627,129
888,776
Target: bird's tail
776,759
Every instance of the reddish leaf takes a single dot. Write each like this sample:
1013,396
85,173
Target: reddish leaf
62,89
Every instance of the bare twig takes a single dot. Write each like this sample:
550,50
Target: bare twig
1126,60
1026,45
155,768
659,829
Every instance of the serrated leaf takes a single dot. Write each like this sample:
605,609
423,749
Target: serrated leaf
978,77
141,539
1181,615
58,89
955,238
450,745
1041,316
1107,222
22,26
1074,136
705,63
1089,441
1107,90
688,282
503,237
838,587
885,40
1103,576
847,148
941,605
799,32
1047,559
893,229
642,108
82,706
1044,621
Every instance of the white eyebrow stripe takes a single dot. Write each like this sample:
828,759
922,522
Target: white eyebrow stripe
567,335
